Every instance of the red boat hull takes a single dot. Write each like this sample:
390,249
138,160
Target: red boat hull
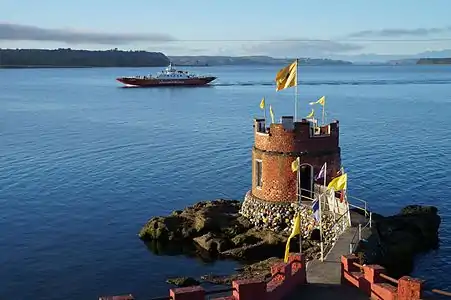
153,82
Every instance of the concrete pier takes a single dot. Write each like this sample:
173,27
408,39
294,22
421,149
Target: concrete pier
324,278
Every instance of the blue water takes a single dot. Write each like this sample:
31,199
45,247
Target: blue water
84,164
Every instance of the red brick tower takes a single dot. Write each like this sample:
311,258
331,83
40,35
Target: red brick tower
276,147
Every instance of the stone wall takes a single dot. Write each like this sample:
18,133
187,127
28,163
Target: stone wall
371,280
279,217
274,215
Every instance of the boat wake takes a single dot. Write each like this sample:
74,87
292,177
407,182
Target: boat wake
340,82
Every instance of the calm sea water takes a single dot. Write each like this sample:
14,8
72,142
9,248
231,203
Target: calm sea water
84,164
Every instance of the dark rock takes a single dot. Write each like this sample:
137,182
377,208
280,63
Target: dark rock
259,270
396,240
194,221
216,228
212,243
169,228
244,240
183,281
257,244
418,209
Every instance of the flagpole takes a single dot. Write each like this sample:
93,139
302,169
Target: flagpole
299,201
324,105
264,109
321,216
296,94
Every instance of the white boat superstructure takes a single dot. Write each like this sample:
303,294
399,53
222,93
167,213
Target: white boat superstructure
171,73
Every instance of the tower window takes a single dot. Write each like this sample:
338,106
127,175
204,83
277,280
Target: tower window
258,173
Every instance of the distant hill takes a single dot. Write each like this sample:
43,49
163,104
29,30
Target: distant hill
406,59
29,58
247,60
434,61
80,58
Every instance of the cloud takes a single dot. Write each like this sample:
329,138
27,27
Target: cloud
178,49
16,32
301,48
398,32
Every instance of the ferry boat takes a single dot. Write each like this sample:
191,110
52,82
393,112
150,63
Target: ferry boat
168,77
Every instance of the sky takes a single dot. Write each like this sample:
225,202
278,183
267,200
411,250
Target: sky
283,28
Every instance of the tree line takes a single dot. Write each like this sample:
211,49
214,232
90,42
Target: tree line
80,58
434,61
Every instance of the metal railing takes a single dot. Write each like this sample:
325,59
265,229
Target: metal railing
338,228
357,237
365,204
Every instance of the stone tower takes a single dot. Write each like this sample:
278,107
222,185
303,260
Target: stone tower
277,146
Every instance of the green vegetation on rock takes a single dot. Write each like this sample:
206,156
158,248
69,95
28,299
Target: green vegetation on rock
183,281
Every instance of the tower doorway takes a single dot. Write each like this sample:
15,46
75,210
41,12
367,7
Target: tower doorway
306,178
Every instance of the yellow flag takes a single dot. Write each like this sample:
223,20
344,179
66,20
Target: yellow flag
271,113
295,165
311,114
339,183
296,230
262,103
287,77
321,101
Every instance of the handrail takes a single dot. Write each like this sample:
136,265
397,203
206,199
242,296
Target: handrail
441,292
358,199
396,281
386,277
352,243
337,223
334,228
365,208
359,232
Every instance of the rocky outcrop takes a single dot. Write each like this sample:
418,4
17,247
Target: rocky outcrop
219,229
396,240
260,270
183,281
207,216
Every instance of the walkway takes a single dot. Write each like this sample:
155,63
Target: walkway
324,278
